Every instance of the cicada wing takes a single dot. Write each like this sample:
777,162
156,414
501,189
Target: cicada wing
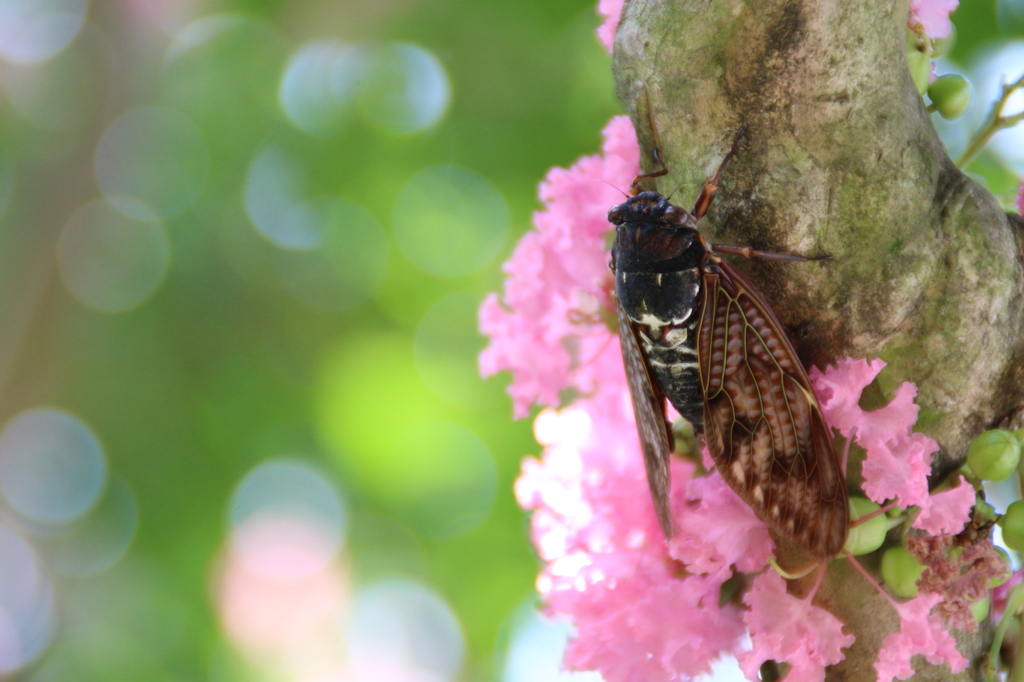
763,424
649,409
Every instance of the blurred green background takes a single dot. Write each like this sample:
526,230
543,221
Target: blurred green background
242,246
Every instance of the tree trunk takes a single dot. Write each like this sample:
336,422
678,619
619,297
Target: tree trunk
839,157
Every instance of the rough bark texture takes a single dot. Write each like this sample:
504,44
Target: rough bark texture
840,157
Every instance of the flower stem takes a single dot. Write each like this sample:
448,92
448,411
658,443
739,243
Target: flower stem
877,512
993,124
874,583
1014,603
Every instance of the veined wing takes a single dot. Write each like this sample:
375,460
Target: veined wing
762,422
649,408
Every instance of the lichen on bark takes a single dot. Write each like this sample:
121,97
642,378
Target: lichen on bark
839,157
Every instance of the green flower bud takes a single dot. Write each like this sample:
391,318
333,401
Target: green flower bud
980,609
994,455
920,69
901,571
999,580
950,95
1012,524
869,536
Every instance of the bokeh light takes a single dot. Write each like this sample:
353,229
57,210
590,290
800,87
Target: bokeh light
27,616
405,89
98,540
112,260
35,30
281,584
387,430
222,71
277,594
319,85
60,94
156,156
275,199
292,491
52,468
446,345
450,221
402,631
349,263
443,480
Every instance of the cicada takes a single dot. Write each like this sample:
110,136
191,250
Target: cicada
695,330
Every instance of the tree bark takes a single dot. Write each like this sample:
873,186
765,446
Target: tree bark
839,157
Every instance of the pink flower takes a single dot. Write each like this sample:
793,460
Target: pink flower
933,15
897,461
644,609
949,511
637,615
716,529
920,633
609,11
787,629
542,329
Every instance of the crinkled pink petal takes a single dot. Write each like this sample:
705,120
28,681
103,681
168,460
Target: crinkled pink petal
788,629
546,327
715,529
610,10
637,616
920,633
839,388
898,469
933,15
897,462
948,511
650,630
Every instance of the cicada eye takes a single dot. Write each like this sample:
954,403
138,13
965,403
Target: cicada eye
615,215
676,215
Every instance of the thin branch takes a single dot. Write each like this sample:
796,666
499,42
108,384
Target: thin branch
993,123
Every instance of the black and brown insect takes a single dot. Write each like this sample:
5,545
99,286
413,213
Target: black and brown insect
695,330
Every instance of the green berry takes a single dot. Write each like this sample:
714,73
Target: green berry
1012,524
901,571
869,536
994,455
1005,577
980,609
950,95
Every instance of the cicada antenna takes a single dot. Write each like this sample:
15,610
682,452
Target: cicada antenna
617,189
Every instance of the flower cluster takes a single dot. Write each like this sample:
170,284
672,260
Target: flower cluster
644,610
